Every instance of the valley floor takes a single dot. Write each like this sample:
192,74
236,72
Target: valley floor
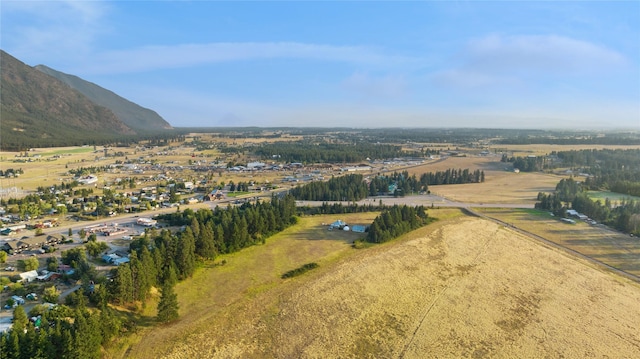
462,287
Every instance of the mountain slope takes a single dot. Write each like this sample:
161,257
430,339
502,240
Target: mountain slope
133,115
39,110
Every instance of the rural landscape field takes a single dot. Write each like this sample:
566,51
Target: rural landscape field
488,276
319,179
463,287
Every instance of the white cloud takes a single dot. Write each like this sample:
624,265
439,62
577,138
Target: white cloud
514,60
544,53
371,86
460,78
55,28
150,58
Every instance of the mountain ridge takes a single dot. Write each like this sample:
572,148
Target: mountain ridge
38,109
132,114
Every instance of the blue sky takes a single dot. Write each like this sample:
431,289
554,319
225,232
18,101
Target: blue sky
352,64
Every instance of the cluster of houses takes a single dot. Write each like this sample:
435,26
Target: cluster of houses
31,243
45,275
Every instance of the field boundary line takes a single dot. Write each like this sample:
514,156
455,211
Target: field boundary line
550,244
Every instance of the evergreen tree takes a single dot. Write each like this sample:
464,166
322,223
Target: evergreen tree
186,257
20,319
168,306
123,284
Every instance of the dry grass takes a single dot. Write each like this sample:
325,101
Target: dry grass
462,287
610,247
500,186
215,295
542,149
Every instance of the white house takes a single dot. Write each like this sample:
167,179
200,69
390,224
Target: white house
29,276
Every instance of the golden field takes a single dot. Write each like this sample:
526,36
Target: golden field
463,287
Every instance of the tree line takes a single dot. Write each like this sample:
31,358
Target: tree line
395,221
526,164
344,188
401,183
156,260
569,194
325,152
339,208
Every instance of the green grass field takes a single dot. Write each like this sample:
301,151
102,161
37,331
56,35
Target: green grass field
65,151
613,196
218,289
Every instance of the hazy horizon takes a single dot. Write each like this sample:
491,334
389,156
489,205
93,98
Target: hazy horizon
520,65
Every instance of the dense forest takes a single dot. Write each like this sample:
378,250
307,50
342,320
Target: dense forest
396,221
344,188
79,328
305,152
401,183
613,170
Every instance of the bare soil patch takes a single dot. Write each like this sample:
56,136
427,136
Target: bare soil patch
462,287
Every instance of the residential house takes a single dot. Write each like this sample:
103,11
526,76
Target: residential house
29,276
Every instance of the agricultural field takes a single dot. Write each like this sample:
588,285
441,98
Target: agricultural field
615,249
501,185
460,287
612,196
543,149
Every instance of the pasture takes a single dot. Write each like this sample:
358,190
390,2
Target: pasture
500,185
601,243
461,287
216,296
612,196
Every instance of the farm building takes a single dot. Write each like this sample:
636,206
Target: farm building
29,276
358,228
337,224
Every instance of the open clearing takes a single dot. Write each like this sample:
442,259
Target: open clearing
612,196
461,287
500,185
601,243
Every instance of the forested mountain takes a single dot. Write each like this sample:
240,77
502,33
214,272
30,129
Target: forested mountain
131,114
39,110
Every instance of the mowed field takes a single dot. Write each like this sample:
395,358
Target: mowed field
500,185
462,287
613,248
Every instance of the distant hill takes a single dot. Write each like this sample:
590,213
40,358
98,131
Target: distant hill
39,110
133,115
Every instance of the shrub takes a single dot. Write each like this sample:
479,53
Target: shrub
298,271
